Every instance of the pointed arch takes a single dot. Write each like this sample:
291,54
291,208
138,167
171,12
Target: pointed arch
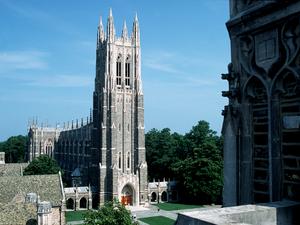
153,197
286,98
128,194
119,70
257,98
127,71
83,203
70,204
164,196
48,147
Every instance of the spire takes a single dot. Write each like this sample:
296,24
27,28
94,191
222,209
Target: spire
100,33
110,12
124,31
110,27
136,30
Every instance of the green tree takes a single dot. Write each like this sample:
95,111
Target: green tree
14,148
42,165
111,213
200,173
161,149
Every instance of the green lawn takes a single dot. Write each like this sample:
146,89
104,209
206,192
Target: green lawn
158,220
75,215
176,206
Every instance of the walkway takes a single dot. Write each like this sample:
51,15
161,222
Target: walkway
150,211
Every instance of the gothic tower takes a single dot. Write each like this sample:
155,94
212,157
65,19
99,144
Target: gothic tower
118,142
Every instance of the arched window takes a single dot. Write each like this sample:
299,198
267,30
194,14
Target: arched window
48,147
120,165
127,71
119,70
258,101
128,160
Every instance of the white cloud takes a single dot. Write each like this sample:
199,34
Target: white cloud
188,71
22,60
161,66
161,61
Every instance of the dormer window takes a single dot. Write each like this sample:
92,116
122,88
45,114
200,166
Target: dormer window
119,70
127,72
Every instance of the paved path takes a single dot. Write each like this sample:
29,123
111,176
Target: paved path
143,212
75,222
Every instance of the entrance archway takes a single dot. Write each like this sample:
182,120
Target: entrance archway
82,203
70,204
153,197
164,196
127,195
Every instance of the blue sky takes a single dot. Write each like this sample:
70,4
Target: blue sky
47,60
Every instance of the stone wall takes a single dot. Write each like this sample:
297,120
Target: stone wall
58,216
261,122
282,213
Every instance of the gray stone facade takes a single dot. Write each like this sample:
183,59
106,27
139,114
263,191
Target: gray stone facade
41,140
108,151
262,120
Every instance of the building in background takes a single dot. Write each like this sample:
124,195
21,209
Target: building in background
108,150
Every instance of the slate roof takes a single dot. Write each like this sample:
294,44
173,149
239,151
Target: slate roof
46,186
17,214
12,169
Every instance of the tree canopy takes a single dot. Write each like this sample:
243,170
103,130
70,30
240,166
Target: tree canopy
111,213
194,159
14,148
42,165
161,146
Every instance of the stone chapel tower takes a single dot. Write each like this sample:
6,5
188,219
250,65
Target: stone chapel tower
118,156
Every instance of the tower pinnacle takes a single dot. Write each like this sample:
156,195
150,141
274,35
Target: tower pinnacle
110,27
136,31
124,31
110,12
100,34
